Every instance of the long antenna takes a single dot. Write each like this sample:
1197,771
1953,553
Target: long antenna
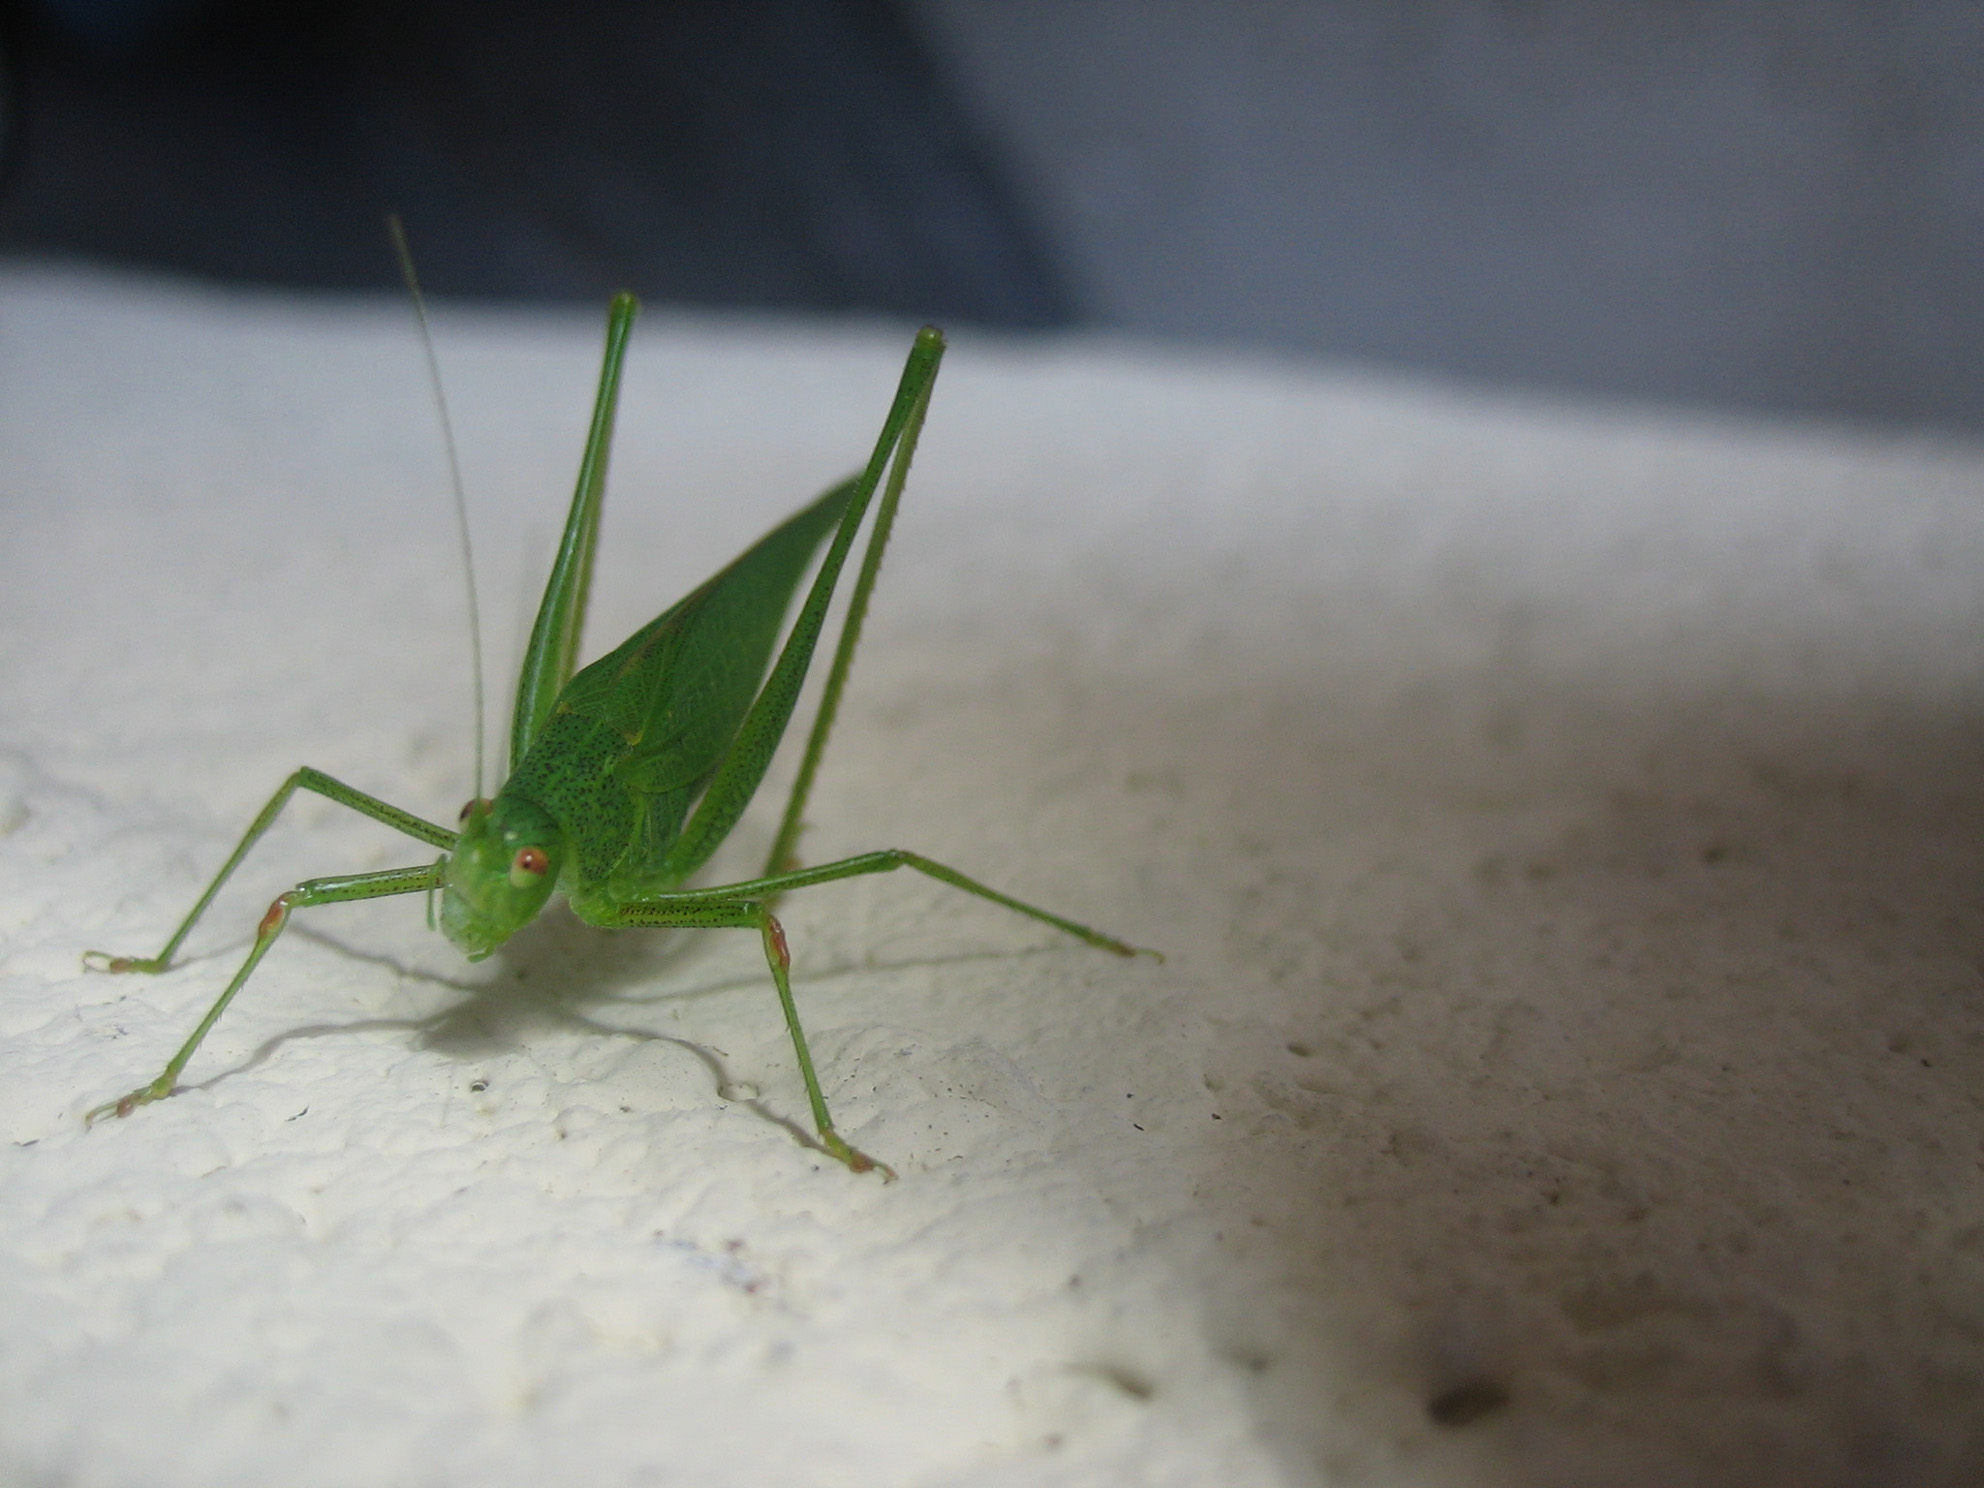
454,477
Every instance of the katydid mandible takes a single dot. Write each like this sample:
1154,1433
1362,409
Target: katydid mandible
627,775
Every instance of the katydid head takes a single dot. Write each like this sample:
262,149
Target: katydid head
504,866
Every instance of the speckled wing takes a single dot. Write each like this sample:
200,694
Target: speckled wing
671,697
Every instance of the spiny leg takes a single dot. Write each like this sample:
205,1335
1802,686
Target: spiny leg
713,910
779,957
886,860
304,779
784,855
304,896
552,653
746,904
757,738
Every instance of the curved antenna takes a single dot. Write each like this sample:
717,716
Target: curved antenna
405,254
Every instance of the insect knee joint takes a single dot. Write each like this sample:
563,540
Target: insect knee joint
775,942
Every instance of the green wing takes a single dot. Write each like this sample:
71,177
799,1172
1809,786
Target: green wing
663,708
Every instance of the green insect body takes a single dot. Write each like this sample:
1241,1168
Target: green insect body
626,776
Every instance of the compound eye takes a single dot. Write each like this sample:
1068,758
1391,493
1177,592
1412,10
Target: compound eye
528,866
470,807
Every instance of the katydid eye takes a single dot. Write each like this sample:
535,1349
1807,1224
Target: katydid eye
471,806
528,866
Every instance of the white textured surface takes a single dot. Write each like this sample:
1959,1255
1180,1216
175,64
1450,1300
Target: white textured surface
1564,830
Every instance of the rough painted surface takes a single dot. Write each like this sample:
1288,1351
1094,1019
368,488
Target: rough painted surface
1563,829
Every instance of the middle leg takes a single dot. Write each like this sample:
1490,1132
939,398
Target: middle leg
704,911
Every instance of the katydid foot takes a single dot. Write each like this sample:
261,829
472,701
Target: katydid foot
857,1161
104,961
158,1089
124,1105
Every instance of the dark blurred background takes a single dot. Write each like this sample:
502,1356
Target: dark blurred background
1740,204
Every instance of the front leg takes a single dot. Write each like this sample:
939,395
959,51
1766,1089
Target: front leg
304,779
316,891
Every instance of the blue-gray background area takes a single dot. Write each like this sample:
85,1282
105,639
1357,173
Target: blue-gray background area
1746,205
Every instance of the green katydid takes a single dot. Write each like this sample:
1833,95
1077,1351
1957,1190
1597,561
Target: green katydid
627,775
